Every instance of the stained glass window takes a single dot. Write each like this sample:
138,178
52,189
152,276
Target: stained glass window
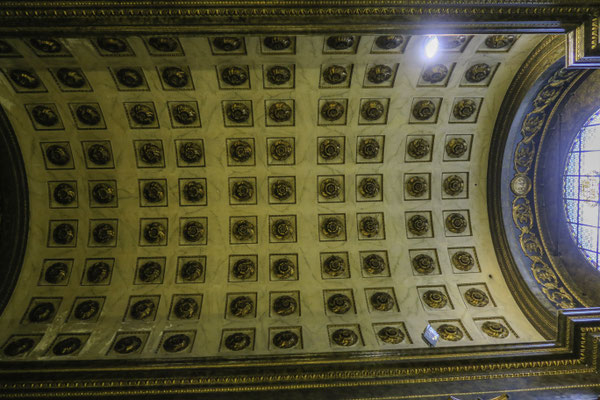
581,187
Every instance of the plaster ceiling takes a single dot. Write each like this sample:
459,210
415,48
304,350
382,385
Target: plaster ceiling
141,112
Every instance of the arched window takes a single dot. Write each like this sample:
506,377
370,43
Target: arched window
581,187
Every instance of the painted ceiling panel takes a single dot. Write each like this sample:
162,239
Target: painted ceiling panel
206,197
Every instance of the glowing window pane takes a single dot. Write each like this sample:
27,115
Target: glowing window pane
581,188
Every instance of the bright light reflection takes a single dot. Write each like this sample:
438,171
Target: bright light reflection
431,46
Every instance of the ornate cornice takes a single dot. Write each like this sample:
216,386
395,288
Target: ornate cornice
573,355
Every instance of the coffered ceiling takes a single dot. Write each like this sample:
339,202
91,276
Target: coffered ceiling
236,196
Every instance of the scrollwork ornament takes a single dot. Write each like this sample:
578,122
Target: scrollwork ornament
241,306
330,188
464,109
98,272
330,149
285,305
452,41
191,271
277,43
494,329
281,150
103,193
18,347
67,346
334,266
163,44
70,77
418,148
372,110
456,223
191,152
46,45
418,225
478,73
417,186
339,303
104,233
127,345
476,297
282,229
423,110
175,77
340,42
450,332
279,75
379,74
244,268
227,43
454,185
98,154
280,112
234,76
389,42
155,232
499,41
150,153
186,308
335,74
86,310
374,264
88,115
369,148
435,73
382,301
25,79
130,77
56,273
193,191
332,110
42,312
237,341
142,309
237,112
285,339
153,192
63,233
142,114
332,227
435,299
64,194
284,268
242,190
44,115
456,147
390,335
369,227
282,190
344,337
177,343
463,261
193,231
243,230
423,263
240,151
150,271
185,114
112,44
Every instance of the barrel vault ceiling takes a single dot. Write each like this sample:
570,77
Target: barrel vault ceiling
229,197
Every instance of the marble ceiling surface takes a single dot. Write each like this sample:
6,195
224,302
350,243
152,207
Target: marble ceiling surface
232,196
